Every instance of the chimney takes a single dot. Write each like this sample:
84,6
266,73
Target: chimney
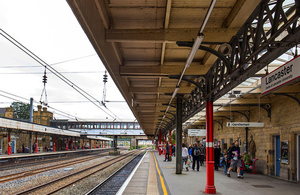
9,112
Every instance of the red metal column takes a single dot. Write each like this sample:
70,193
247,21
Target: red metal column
165,144
75,144
36,145
159,143
67,145
170,143
9,144
53,144
71,144
210,187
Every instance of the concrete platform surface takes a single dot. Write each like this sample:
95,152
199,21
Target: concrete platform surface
148,180
193,182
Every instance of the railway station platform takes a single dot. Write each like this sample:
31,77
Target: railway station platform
154,176
27,157
24,155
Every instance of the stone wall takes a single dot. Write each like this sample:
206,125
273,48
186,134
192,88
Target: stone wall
284,121
42,117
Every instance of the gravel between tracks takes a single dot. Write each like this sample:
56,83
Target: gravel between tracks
41,165
86,185
14,186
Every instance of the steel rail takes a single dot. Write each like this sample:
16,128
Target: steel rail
108,178
15,176
107,163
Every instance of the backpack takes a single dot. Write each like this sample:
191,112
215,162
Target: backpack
197,152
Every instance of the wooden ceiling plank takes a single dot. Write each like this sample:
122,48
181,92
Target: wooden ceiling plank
168,35
162,70
243,101
159,89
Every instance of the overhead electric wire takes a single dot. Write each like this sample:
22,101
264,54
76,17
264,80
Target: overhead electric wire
80,72
13,95
56,73
72,59
64,113
68,116
49,64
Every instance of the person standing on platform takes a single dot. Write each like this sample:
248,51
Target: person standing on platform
190,153
196,152
217,152
173,150
33,147
224,162
185,156
235,155
202,155
23,148
167,152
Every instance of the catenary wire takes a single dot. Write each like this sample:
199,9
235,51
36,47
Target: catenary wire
56,73
64,115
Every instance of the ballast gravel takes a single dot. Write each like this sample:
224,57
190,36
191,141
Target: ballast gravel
18,185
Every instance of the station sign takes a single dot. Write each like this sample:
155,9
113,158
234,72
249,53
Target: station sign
196,132
282,76
244,124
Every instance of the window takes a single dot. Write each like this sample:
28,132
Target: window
103,125
97,125
110,125
117,125
130,125
137,126
123,125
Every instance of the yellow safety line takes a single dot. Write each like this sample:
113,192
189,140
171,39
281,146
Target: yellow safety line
161,179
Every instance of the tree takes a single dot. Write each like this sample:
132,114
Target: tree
173,138
21,110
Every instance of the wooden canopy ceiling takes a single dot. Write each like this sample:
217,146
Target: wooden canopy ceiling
136,41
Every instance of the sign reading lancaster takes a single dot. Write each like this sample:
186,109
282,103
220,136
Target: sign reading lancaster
281,76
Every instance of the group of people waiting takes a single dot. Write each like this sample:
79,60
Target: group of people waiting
231,158
168,155
194,154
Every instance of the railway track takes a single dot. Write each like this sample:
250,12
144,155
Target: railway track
63,182
113,183
11,177
31,161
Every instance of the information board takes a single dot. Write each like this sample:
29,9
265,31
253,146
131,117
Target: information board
196,132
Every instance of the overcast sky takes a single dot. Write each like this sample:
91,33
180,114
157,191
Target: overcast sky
49,29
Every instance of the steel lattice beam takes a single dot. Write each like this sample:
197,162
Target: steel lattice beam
269,32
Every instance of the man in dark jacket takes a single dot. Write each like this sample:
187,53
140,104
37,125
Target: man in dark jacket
196,152
217,151
202,155
235,158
